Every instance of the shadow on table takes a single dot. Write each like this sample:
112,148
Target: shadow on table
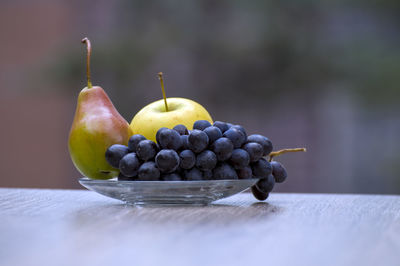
211,214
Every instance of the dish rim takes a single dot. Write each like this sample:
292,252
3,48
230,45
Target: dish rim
114,180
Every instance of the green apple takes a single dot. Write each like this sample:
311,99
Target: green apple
154,116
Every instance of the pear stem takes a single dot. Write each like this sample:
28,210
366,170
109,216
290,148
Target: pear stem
277,153
89,53
160,77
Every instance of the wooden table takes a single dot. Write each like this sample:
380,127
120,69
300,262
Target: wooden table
77,227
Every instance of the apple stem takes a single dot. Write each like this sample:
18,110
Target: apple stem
160,77
89,52
277,153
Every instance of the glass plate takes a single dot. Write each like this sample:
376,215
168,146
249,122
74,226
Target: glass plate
167,192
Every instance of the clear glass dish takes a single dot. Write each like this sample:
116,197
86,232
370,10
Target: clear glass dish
167,192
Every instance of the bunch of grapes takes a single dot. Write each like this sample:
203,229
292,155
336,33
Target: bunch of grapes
208,152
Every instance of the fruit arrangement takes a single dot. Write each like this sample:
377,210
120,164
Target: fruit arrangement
208,152
173,139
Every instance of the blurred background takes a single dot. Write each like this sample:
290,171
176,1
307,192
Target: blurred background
318,74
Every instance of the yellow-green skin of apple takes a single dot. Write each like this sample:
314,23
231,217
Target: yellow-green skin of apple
180,111
96,126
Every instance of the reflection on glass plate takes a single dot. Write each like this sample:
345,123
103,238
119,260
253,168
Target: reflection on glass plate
167,192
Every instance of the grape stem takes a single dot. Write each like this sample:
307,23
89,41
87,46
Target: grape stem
160,77
280,152
89,53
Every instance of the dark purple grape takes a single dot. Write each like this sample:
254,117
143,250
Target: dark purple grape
241,129
245,173
197,141
239,159
201,124
263,141
171,177
148,171
134,141
146,150
207,175
158,134
185,143
223,148
169,139
114,154
213,134
181,129
188,159
221,125
121,177
266,185
261,169
206,160
236,136
254,149
193,174
129,165
167,161
259,194
224,171
278,171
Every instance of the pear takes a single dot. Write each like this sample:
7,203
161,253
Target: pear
96,126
